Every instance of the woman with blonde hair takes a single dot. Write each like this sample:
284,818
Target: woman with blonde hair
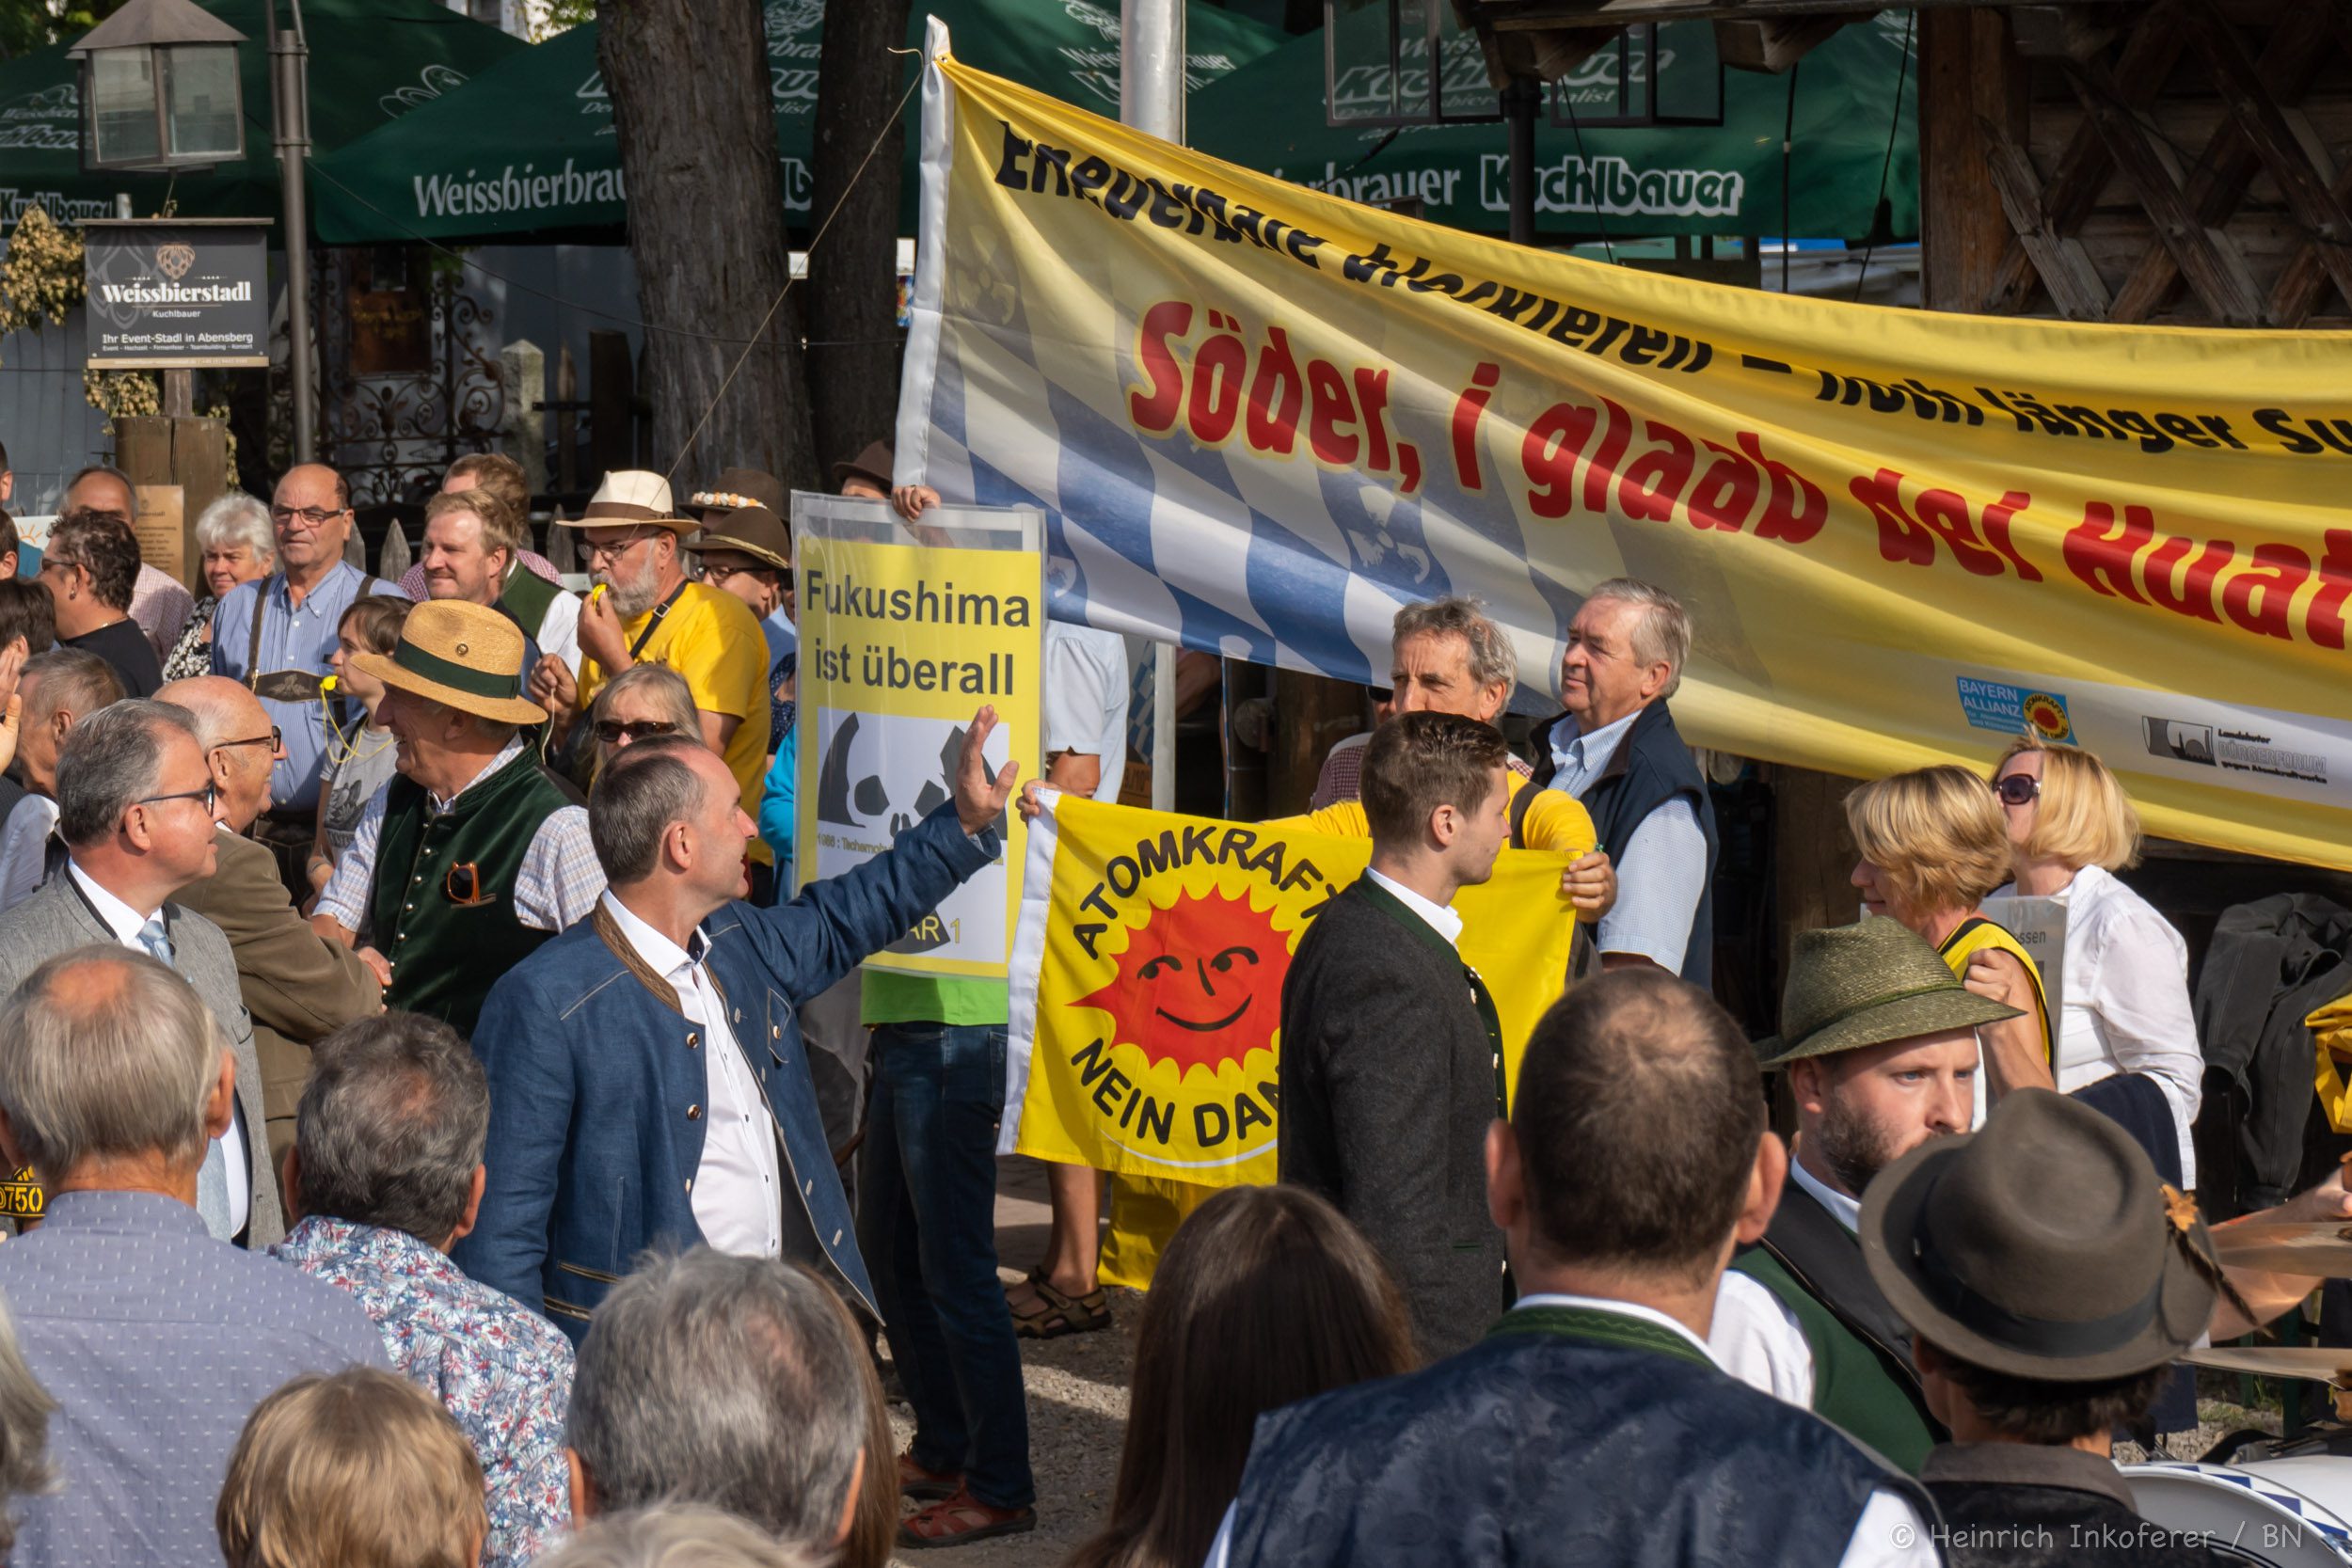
1933,846
2127,1035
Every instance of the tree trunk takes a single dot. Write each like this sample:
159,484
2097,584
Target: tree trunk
689,81
856,346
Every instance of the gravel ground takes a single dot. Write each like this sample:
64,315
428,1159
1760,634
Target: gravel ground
1077,1387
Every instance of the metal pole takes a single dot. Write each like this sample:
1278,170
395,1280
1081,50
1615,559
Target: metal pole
1519,101
1151,98
289,131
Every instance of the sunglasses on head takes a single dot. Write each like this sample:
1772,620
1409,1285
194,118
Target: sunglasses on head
2017,789
612,730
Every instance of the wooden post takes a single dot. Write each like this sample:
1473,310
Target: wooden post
566,423
611,395
1968,77
192,454
1311,713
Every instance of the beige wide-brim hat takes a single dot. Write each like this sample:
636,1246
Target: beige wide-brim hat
1871,983
460,653
629,497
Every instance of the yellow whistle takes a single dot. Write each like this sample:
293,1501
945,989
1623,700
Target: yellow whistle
328,683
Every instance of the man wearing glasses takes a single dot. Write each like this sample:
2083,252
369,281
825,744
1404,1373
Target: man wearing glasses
136,805
274,635
299,986
649,610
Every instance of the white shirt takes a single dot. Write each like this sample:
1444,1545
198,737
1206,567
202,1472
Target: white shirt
1086,698
1754,1337
2124,1004
558,630
24,848
1439,917
125,922
1662,867
1889,1534
737,1200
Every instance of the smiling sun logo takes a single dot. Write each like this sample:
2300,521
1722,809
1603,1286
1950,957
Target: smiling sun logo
1200,984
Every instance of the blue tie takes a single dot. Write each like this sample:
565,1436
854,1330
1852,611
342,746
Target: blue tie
212,1179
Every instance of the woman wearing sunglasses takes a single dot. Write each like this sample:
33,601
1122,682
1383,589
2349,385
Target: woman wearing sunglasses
1933,846
2126,1033
643,700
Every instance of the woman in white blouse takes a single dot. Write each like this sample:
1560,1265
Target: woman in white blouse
2123,1004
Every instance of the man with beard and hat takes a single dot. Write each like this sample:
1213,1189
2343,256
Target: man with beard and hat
1877,1037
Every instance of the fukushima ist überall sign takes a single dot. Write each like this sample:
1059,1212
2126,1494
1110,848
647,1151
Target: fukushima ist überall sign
183,295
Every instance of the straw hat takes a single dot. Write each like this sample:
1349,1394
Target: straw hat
752,531
1868,984
2043,1247
461,654
631,496
741,487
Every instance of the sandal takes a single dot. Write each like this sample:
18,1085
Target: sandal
927,1486
962,1518
1059,1314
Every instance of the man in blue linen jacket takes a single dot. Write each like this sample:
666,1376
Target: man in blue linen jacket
647,1080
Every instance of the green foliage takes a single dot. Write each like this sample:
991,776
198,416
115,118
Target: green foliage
30,24
550,17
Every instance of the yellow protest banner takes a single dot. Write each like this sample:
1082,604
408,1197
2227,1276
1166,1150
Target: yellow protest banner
1146,981
1260,418
905,633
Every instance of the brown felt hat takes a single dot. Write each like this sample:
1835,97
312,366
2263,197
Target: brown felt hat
738,488
461,655
874,463
1870,983
752,531
2043,1247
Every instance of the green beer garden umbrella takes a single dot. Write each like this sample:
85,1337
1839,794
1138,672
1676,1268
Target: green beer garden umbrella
528,149
371,61
1622,181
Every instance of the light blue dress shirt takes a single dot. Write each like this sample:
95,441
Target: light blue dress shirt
293,636
1662,868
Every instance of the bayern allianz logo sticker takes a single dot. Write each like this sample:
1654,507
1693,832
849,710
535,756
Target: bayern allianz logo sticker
2014,709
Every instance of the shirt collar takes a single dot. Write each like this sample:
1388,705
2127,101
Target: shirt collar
1440,919
276,583
1622,1309
2026,1464
323,1234
1844,1211
1572,748
148,1212
666,957
506,754
121,918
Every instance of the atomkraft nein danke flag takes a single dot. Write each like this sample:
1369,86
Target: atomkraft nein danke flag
1146,981
1258,418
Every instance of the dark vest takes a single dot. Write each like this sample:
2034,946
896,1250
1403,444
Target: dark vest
1862,1378
445,955
1651,767
525,599
2012,1506
1594,1438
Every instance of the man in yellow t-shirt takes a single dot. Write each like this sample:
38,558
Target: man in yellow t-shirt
1447,656
645,607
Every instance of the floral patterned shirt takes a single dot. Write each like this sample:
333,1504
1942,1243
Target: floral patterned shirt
505,1373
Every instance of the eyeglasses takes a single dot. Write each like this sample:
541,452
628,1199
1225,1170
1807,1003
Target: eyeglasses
2017,789
609,550
309,516
612,730
275,740
210,795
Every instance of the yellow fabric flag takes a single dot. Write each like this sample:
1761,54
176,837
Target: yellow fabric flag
1147,980
2331,1042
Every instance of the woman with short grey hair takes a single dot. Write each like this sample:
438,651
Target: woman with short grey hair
238,546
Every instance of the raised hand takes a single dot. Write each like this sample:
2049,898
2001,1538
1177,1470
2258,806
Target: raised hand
980,799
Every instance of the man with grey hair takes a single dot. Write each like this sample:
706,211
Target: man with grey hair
385,1175
735,1382
155,1340
59,689
135,802
673,1535
1616,749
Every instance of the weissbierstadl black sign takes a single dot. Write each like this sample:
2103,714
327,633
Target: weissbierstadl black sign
183,293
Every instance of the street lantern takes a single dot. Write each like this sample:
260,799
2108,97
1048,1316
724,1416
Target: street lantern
159,89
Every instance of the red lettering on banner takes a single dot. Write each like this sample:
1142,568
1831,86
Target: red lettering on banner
1911,534
1155,410
2194,579
1569,442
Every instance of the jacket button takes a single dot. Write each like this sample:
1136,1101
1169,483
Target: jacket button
693,1113
738,1015
689,1183
776,1031
692,1039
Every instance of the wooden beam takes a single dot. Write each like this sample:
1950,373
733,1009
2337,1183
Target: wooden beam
1523,15
1772,45
2290,62
2060,32
2065,267
2207,258
2295,295
1966,72
2149,56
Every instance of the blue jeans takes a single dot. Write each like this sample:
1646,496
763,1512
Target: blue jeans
927,1224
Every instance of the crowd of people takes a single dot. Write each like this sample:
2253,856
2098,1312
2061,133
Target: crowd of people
439,1136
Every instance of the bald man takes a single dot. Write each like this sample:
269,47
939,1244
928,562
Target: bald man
299,986
275,634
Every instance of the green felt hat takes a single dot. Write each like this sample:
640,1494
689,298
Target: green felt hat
1867,983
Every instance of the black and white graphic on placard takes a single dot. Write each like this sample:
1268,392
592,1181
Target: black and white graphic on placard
880,775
